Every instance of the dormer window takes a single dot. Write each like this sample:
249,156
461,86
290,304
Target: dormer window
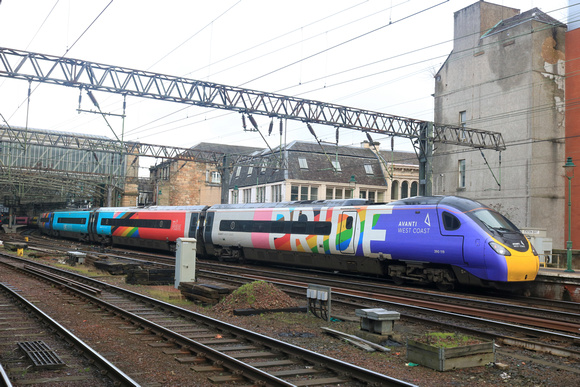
302,163
336,166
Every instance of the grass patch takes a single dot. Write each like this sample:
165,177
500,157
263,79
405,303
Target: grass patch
447,340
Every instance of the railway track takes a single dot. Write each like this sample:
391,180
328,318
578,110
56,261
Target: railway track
226,353
509,327
36,349
557,315
562,316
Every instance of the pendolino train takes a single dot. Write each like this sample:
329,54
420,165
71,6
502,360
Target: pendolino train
445,240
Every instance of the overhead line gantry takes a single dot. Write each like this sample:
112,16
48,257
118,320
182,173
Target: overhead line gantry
35,67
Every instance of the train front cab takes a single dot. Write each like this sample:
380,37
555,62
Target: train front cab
495,252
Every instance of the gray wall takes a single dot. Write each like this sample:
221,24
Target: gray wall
510,81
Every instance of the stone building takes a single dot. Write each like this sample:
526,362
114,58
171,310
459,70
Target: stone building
188,183
312,171
506,74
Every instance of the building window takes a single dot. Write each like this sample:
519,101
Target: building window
213,177
247,195
414,189
304,193
329,193
372,196
461,167
313,193
462,122
260,194
369,169
238,170
404,190
336,193
395,190
294,193
235,196
336,165
362,194
303,163
380,197
276,193
250,170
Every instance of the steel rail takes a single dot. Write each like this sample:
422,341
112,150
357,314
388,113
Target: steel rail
236,366
111,370
4,380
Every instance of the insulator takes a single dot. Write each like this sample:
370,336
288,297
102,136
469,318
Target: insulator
369,138
244,121
271,127
92,97
336,136
311,130
253,121
281,127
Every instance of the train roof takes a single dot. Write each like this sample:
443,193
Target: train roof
299,203
154,208
458,202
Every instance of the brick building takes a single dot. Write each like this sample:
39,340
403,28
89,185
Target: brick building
185,183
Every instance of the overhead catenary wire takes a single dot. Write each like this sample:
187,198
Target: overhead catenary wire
328,86
192,116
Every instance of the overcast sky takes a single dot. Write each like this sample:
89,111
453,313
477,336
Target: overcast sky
374,55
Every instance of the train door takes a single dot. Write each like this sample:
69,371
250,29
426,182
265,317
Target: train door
347,224
451,247
92,226
208,228
193,225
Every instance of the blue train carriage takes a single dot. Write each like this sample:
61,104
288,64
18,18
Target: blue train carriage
69,224
156,227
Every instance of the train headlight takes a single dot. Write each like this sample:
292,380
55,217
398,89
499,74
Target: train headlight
499,248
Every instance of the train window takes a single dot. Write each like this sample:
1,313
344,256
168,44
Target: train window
278,227
450,222
72,220
299,227
144,223
322,228
349,223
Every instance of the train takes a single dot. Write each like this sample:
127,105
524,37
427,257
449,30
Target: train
18,220
441,240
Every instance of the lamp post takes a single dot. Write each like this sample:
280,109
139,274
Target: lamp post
569,170
352,184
